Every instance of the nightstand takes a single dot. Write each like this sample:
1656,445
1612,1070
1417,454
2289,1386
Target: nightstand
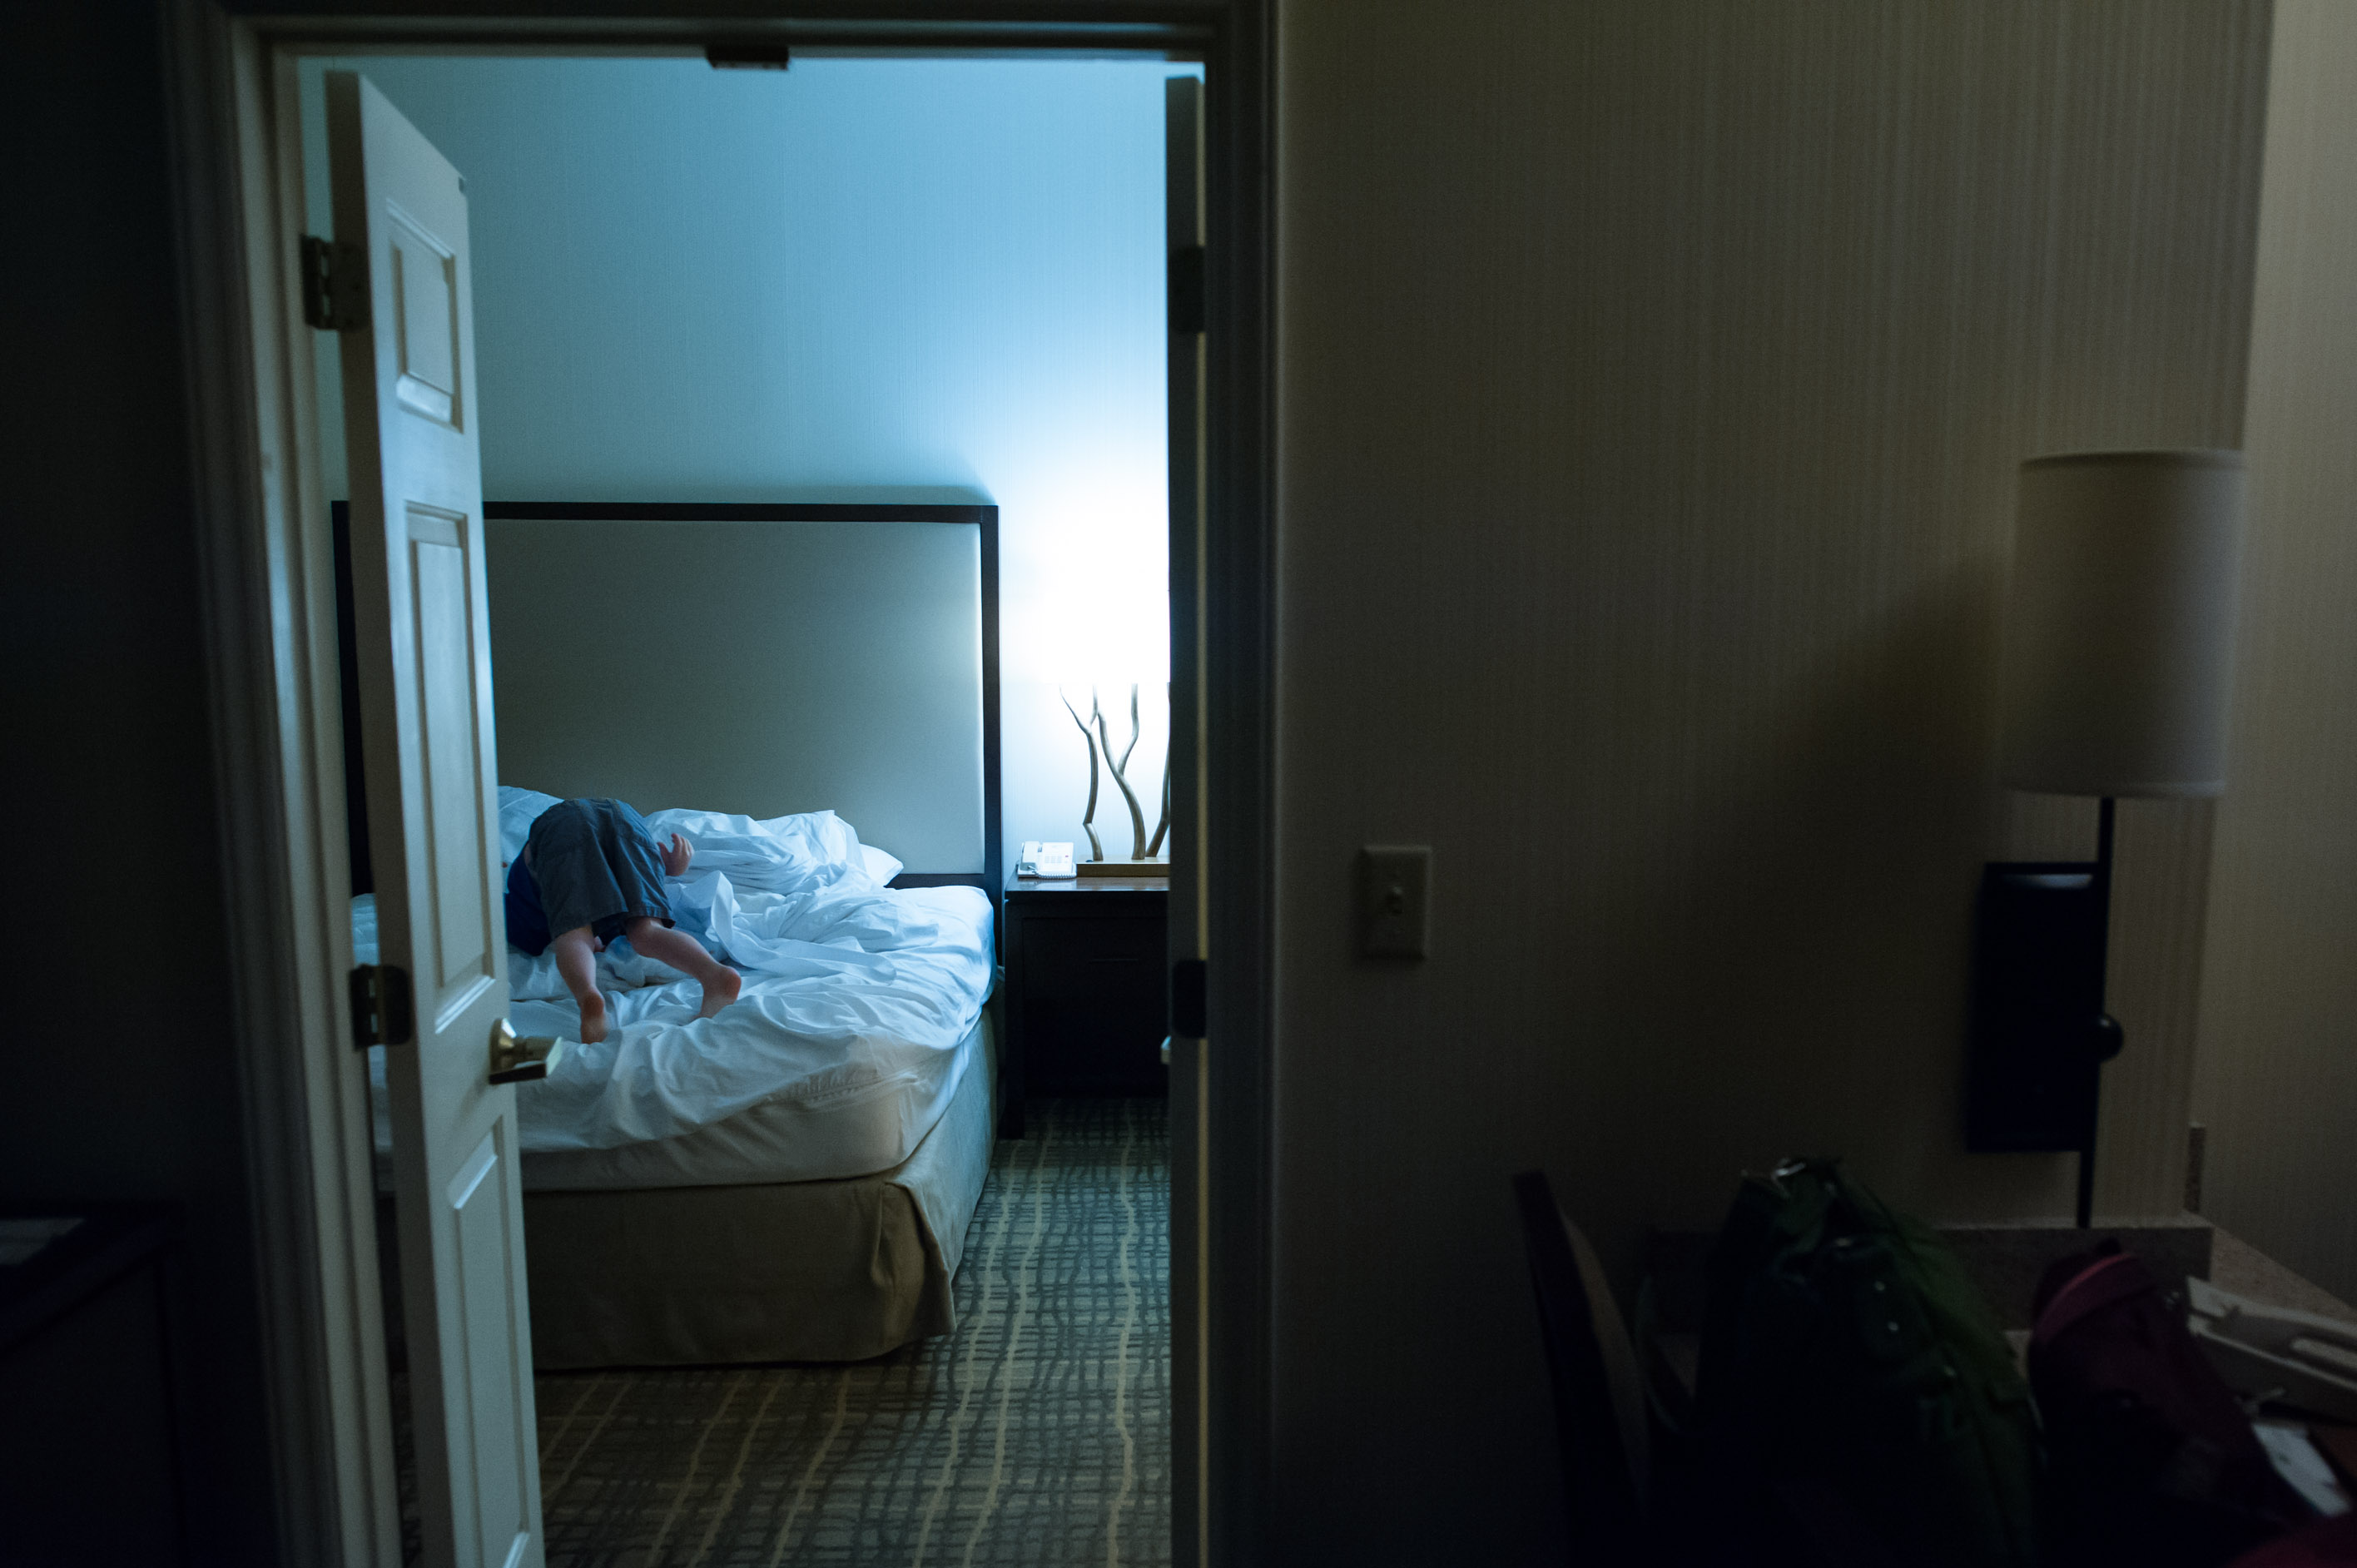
1088,990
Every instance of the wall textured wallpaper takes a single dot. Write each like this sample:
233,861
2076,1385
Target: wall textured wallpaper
2279,1082
858,279
1652,383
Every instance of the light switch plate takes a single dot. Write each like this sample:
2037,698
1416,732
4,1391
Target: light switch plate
1394,905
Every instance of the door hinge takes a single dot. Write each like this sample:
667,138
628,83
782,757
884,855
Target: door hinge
335,285
1186,289
381,1012
1187,999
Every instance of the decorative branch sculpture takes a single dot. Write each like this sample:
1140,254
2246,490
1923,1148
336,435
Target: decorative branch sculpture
1120,774
1096,850
1162,827
1100,739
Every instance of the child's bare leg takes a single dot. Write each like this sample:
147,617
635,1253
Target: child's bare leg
576,963
656,940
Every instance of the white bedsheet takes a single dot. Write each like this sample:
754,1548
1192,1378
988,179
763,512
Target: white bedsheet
781,1140
852,991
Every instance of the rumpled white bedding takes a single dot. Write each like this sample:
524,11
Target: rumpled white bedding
851,989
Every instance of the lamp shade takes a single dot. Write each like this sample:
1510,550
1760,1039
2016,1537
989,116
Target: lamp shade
2120,623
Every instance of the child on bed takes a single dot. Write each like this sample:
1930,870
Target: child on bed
592,871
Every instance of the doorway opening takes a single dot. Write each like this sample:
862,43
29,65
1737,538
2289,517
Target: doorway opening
712,385
269,587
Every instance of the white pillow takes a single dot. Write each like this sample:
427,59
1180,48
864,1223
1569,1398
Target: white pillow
822,834
881,866
518,810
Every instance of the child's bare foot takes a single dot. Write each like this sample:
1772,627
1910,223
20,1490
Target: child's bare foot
664,944
720,991
593,1018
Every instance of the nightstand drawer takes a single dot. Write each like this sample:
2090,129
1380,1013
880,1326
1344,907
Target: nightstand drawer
1088,990
1093,959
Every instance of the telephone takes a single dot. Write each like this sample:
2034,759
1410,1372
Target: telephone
1044,860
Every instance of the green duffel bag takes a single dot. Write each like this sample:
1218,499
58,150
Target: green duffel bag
1856,1402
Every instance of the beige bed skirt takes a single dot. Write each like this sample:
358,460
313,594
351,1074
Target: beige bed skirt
816,1271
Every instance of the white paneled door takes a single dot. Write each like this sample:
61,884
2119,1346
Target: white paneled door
426,706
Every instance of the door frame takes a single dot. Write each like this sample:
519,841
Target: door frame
267,593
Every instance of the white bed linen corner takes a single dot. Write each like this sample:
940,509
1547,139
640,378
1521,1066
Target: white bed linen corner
858,1009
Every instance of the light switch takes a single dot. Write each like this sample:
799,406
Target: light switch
1394,915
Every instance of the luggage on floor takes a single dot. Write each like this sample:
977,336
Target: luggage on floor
1856,1402
2330,1543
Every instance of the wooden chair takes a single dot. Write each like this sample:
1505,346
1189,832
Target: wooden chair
1599,1399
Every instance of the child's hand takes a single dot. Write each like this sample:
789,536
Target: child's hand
676,853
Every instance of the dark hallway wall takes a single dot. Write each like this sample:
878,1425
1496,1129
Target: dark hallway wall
118,1077
1652,384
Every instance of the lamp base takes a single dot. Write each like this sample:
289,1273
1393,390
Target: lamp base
1122,868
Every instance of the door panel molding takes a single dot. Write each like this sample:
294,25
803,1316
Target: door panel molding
422,631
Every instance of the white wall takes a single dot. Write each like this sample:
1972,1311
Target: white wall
2278,1068
1652,383
854,280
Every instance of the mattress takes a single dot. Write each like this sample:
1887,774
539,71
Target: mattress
818,1138
786,1138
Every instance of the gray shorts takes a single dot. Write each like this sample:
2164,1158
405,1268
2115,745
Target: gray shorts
597,865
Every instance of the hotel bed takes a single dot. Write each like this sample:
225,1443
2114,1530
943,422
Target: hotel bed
791,1179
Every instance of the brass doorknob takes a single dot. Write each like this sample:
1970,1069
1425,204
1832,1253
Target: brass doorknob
515,1057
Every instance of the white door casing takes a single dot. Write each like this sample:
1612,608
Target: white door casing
1190,860
427,726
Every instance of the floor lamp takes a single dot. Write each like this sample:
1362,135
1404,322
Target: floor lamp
2118,641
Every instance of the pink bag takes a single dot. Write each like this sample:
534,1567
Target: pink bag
2151,1459
2328,1543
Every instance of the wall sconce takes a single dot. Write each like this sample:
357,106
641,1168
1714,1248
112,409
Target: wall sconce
2118,641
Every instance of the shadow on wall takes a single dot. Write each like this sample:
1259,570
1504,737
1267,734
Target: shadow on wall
1800,974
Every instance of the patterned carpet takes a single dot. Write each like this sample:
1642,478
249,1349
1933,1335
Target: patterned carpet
1037,1434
